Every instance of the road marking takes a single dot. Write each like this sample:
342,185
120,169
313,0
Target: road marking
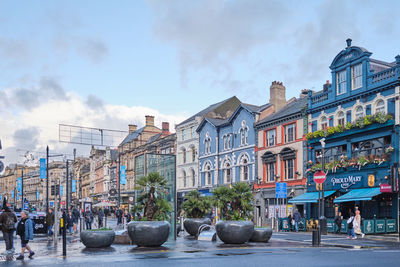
324,239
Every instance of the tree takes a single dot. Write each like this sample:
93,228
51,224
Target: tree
151,202
196,206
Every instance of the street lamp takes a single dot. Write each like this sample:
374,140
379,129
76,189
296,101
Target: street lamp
322,219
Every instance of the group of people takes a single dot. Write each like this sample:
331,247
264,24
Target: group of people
353,223
23,228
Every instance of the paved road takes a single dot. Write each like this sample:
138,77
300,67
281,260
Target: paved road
284,249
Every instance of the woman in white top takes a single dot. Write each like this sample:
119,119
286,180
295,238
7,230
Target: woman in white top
357,223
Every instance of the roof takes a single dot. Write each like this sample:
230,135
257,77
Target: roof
217,122
252,108
131,136
153,138
289,109
217,107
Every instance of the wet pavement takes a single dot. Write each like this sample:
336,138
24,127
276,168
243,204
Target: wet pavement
284,249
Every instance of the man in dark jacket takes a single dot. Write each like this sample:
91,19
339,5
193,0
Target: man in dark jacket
49,222
297,219
25,231
8,220
88,218
76,215
100,216
338,221
118,214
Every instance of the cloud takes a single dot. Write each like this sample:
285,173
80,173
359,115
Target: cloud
27,137
94,102
15,53
94,50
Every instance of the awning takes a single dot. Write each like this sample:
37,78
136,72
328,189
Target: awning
310,197
359,194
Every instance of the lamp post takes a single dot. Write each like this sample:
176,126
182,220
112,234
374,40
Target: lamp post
322,219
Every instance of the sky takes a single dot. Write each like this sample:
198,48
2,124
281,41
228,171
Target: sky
107,64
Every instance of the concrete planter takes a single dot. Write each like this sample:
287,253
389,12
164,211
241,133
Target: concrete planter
192,225
261,235
235,232
97,239
148,233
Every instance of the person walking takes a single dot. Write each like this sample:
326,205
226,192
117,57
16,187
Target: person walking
291,220
70,222
76,215
128,217
338,221
25,231
350,226
88,218
8,220
297,219
357,226
50,223
118,214
100,216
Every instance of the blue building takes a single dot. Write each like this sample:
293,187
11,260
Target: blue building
356,119
227,148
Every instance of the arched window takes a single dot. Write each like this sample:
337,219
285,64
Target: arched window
380,106
269,160
193,178
184,179
340,118
208,175
243,131
359,112
207,144
324,123
193,150
244,170
288,157
227,172
183,155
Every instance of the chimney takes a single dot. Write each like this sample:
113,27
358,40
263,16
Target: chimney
277,95
132,128
149,120
304,93
165,126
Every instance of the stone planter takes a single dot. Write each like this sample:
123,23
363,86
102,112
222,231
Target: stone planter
148,233
192,225
261,235
97,239
235,232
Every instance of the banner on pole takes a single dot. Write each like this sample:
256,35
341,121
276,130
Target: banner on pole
42,168
73,186
123,177
61,190
19,184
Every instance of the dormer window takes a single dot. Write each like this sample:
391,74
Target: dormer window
341,82
356,76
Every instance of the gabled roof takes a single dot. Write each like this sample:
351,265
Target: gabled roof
153,138
252,108
219,109
292,108
132,136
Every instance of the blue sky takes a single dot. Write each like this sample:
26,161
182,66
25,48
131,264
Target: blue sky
108,63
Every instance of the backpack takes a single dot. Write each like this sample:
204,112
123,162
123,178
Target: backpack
350,224
10,223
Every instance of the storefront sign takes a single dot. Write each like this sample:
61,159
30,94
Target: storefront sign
371,180
346,182
386,188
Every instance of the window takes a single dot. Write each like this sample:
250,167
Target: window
359,112
289,169
227,172
227,141
244,168
370,148
243,131
331,154
208,175
184,178
356,76
193,178
269,159
271,134
290,132
324,123
183,155
183,134
341,82
193,154
340,118
207,144
192,132
380,106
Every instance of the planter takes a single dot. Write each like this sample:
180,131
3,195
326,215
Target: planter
97,239
192,225
148,233
261,235
235,232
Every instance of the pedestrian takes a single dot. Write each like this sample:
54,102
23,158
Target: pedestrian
118,214
291,224
357,226
88,218
350,226
50,223
25,231
100,216
297,219
338,221
70,222
8,220
127,216
76,216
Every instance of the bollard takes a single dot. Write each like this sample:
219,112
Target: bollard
64,233
316,240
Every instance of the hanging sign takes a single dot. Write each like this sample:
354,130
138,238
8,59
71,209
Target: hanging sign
73,186
123,178
42,168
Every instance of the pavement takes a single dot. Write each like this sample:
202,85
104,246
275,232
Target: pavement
284,249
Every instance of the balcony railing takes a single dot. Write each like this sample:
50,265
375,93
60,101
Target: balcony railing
320,97
384,75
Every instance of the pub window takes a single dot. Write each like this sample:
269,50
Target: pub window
359,112
380,106
331,153
372,147
324,123
356,76
340,118
341,82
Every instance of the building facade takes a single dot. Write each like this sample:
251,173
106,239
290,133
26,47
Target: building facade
354,130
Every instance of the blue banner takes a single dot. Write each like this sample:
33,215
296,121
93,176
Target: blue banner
61,190
42,168
17,197
73,186
12,193
19,184
37,195
26,205
123,178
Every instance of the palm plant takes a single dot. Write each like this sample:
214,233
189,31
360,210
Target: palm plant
235,203
151,202
196,206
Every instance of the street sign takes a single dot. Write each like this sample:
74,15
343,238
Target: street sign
319,177
281,190
42,168
1,166
123,178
